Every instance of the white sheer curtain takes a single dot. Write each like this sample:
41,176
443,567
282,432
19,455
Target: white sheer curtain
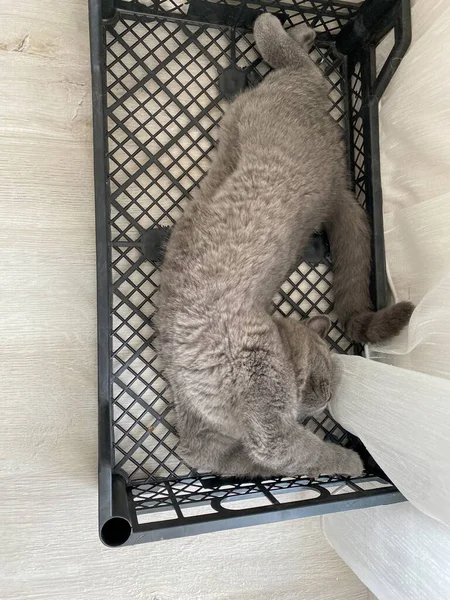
397,551
403,419
398,403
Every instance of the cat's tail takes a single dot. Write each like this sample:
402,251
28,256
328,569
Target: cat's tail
349,237
280,48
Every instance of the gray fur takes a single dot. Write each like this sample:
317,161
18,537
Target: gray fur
242,380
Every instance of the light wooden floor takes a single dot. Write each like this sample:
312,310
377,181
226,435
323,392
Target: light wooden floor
49,546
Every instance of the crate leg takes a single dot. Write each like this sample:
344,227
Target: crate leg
117,529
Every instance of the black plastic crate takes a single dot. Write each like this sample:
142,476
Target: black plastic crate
158,96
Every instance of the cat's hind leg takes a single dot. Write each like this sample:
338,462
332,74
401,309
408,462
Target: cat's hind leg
349,235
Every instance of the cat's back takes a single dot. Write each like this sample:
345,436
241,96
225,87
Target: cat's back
289,112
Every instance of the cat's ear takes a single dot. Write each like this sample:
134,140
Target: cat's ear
321,325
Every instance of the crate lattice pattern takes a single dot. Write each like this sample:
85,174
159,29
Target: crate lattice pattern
164,106
189,497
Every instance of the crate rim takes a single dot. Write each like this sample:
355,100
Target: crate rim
115,499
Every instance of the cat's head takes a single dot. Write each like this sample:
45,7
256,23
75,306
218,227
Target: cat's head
311,359
318,385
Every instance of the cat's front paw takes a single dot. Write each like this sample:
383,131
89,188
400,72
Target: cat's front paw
342,462
350,464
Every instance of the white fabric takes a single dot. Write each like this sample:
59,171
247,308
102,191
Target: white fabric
403,414
403,419
397,551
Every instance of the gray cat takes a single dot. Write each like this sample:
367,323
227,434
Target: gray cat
241,379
